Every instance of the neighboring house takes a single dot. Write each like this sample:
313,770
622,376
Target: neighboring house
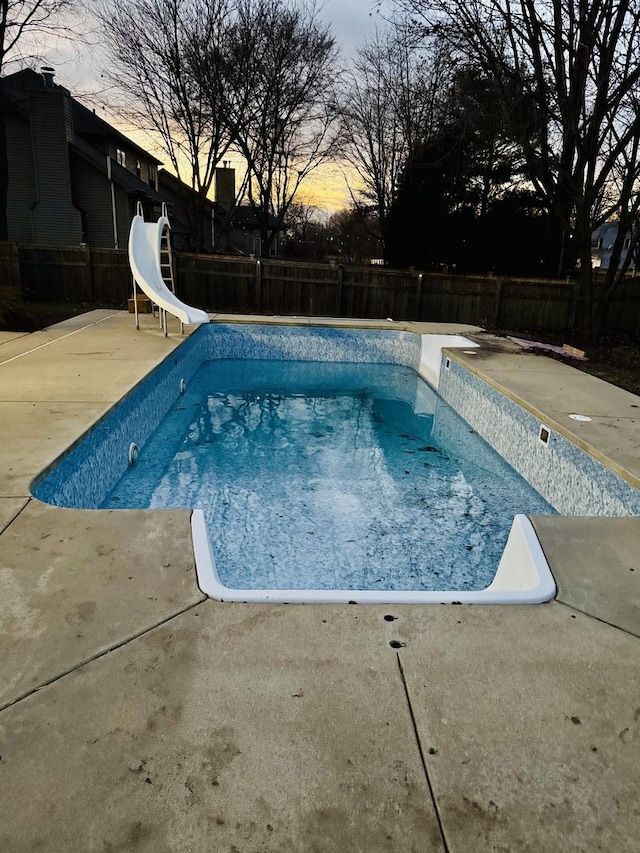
602,241
73,178
237,227
192,217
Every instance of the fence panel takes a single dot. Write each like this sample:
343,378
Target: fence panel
54,273
290,287
217,283
464,299
9,266
111,278
245,286
535,305
377,293
623,313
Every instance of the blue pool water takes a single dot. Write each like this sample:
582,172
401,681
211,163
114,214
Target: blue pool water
323,475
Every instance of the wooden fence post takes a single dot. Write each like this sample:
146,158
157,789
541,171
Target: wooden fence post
10,266
417,312
89,265
498,300
573,310
340,276
15,267
258,286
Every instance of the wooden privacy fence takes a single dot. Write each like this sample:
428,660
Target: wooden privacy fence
247,286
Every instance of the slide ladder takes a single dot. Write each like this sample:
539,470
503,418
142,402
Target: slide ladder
166,261
152,269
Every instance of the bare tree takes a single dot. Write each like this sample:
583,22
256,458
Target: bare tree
567,72
355,234
21,20
283,114
389,102
301,214
171,70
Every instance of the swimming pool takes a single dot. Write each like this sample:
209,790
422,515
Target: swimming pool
89,473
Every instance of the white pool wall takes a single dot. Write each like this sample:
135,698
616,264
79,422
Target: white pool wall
523,577
431,360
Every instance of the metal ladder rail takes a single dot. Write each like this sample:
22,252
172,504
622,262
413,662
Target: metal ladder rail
139,212
166,261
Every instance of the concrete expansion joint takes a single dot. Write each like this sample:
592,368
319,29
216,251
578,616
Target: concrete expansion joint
101,654
61,338
28,500
432,751
598,619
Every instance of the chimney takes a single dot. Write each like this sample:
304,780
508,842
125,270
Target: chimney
225,186
48,74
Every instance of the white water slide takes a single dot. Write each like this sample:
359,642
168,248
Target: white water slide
145,258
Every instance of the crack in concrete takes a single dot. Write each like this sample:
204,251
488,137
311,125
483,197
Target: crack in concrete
597,618
432,792
26,498
55,340
101,654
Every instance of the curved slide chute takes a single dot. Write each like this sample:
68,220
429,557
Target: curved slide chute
145,241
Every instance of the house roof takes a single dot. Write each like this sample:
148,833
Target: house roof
126,179
12,90
174,184
85,122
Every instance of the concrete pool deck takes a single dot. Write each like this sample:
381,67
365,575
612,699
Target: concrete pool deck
137,715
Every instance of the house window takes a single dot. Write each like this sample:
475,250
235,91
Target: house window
121,157
253,242
138,168
153,172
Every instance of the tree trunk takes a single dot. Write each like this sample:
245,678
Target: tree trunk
587,307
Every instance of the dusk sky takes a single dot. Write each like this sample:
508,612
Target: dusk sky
79,68
351,20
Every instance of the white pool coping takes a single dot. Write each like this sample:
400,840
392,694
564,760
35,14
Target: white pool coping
523,577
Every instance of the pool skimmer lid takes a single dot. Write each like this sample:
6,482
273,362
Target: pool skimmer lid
581,418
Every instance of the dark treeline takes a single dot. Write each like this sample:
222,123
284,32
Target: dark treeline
499,135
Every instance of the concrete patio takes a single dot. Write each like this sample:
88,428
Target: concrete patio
138,715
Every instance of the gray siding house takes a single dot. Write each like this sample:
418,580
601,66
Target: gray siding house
73,178
602,241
